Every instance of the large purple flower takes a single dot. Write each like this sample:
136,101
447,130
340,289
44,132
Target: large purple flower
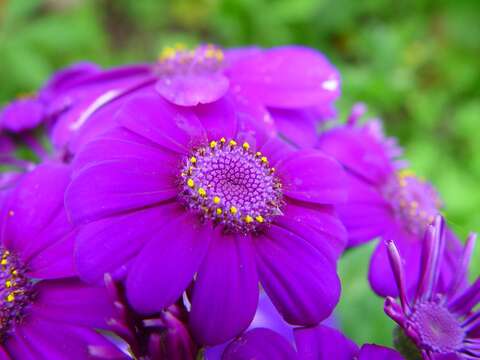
438,322
385,200
176,191
293,85
318,343
39,295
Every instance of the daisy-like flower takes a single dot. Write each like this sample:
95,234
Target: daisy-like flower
318,343
438,322
40,296
386,200
178,194
290,87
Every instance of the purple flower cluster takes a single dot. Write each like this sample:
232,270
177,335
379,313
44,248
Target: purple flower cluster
193,208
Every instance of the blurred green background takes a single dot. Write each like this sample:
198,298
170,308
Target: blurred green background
416,63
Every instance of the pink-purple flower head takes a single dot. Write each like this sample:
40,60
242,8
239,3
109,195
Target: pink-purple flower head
386,200
441,321
180,194
40,296
318,343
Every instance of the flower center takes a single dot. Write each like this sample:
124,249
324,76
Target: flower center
438,329
414,201
231,185
15,292
179,60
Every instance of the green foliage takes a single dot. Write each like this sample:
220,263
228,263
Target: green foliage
414,62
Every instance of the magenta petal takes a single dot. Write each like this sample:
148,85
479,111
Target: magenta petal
375,352
309,175
122,235
116,186
192,89
21,115
301,282
35,217
218,119
170,126
323,343
318,225
72,302
167,264
286,77
297,126
225,294
259,344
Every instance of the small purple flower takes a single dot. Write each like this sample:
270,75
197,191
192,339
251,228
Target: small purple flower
177,191
318,343
438,322
40,296
385,199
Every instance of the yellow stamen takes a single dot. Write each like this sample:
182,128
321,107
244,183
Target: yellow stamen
10,297
216,200
223,140
246,145
219,211
264,159
248,219
8,284
193,160
213,144
202,192
258,154
190,183
232,143
233,210
4,262
259,218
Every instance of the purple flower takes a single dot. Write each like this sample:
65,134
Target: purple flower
28,112
176,191
294,85
39,295
318,343
385,200
438,322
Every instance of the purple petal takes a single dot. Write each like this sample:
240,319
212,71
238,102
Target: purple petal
359,152
259,344
301,282
123,235
193,88
69,301
23,114
318,225
225,294
366,214
376,352
286,77
166,265
323,343
309,175
218,119
297,126
170,126
116,186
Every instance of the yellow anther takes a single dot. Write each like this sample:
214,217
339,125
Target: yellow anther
219,211
232,143
202,192
168,52
14,272
248,219
272,170
11,297
193,160
233,210
264,159
8,284
216,200
213,144
259,218
258,154
219,55
190,183
4,262
246,145
223,140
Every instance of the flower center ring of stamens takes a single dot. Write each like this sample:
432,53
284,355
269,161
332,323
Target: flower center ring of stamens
231,185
